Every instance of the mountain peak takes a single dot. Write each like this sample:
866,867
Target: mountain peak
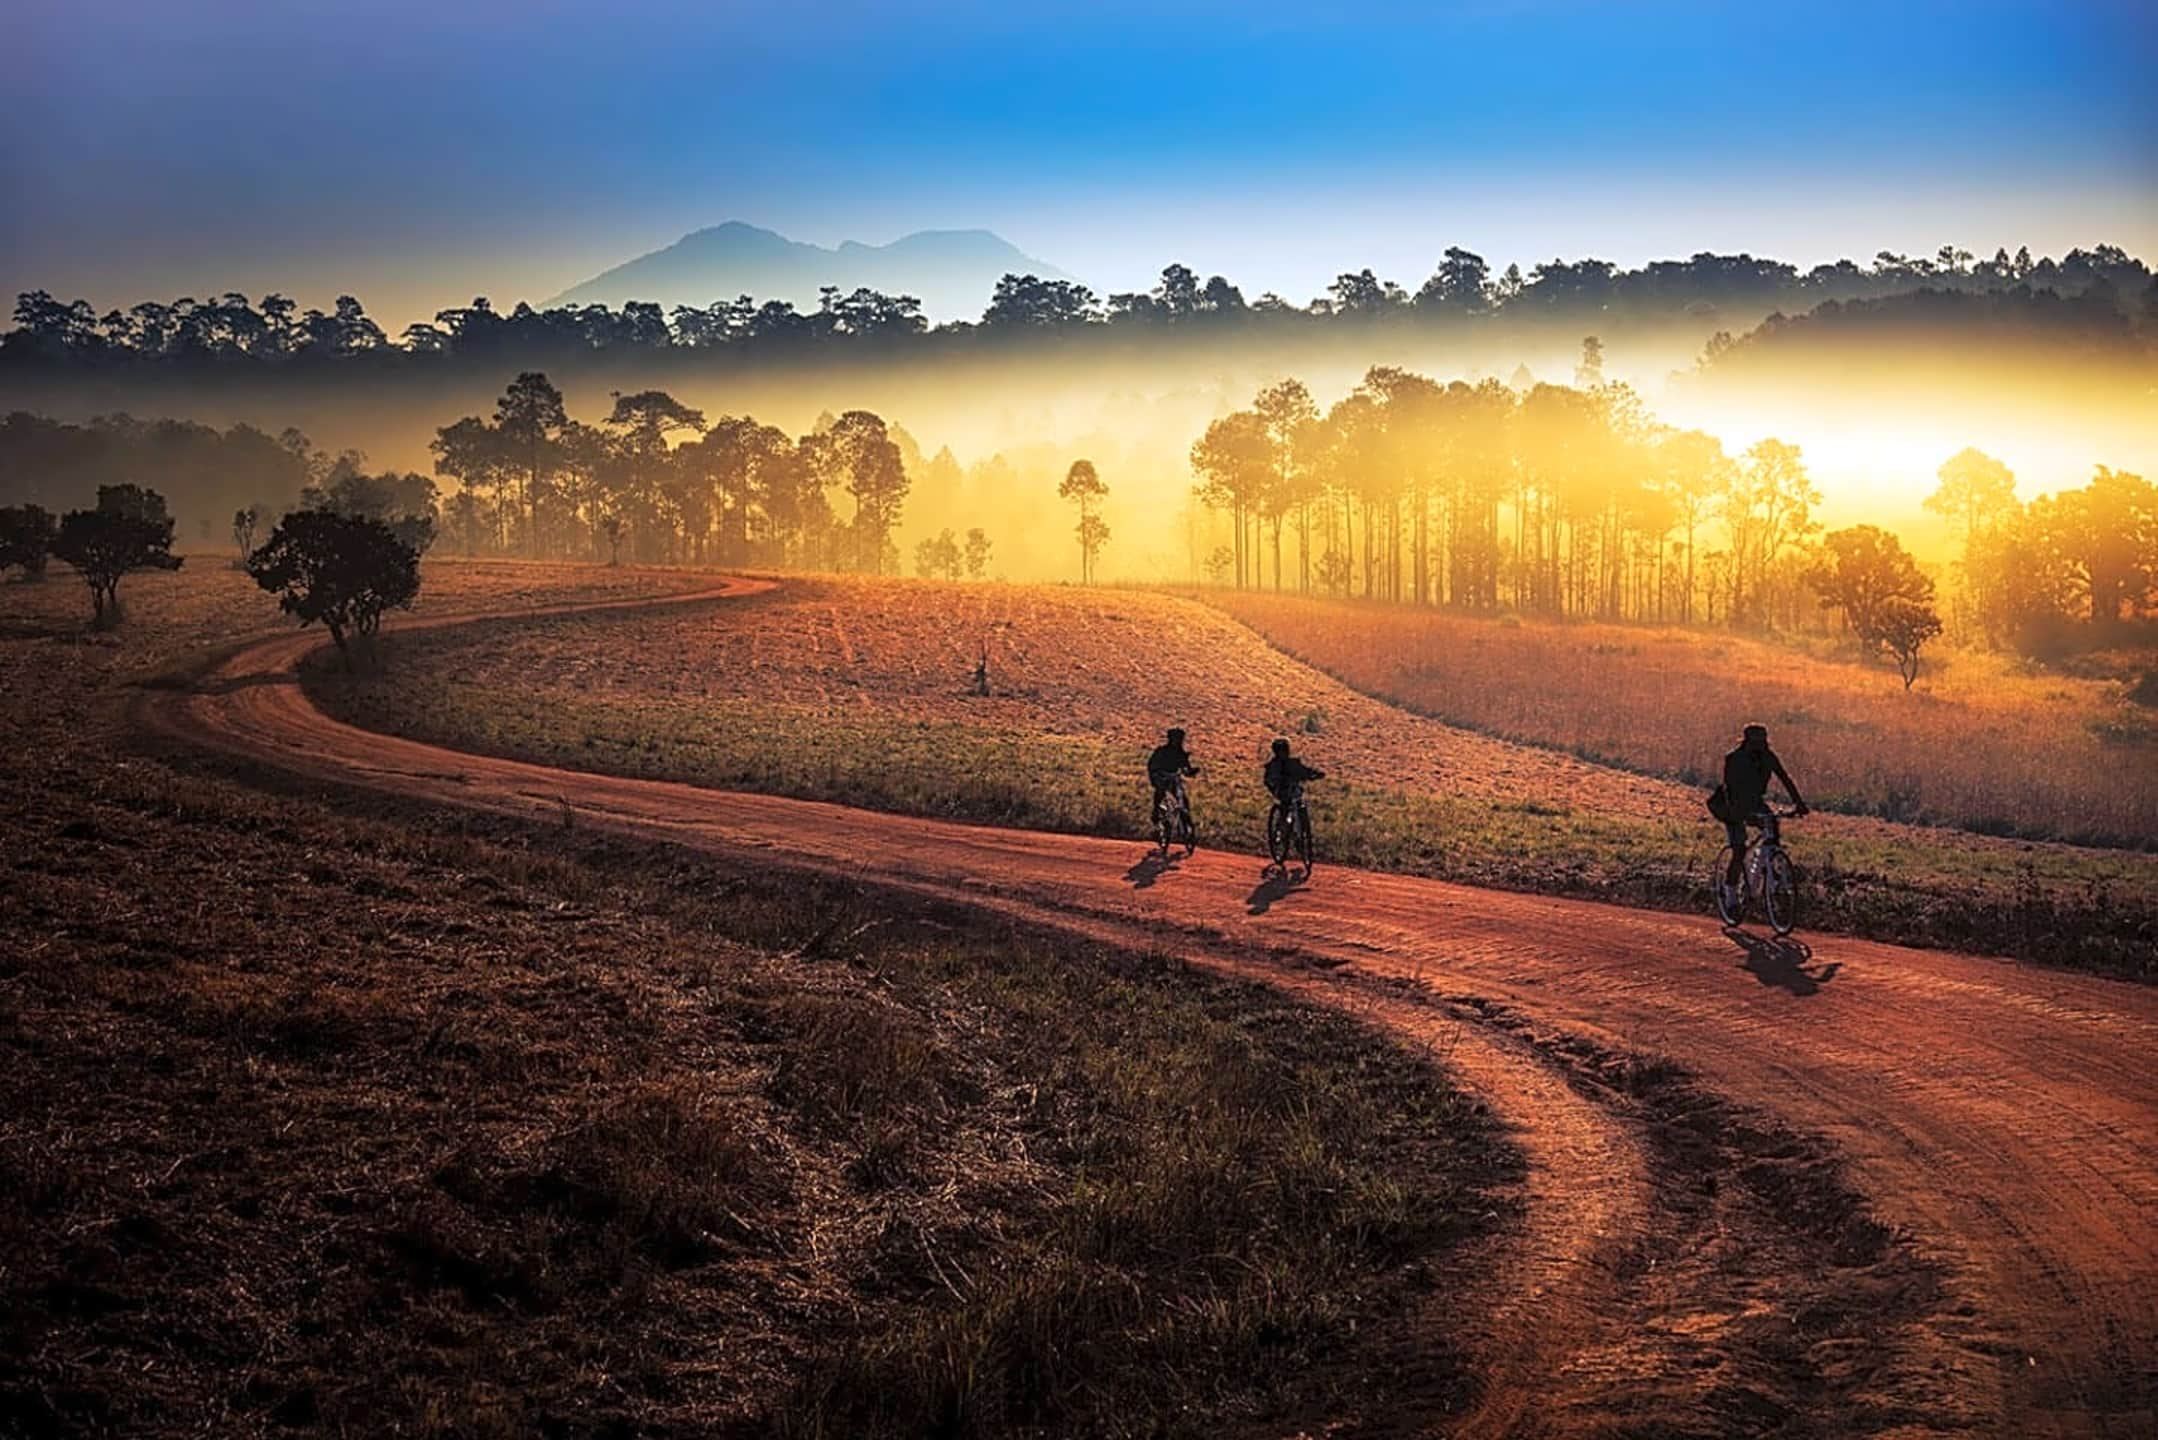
952,272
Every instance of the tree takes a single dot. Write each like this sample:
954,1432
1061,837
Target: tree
1769,505
1863,570
340,570
2108,533
977,552
1462,284
1590,372
858,454
938,557
1903,626
1234,461
129,530
1975,489
1030,302
471,453
1290,418
26,538
528,417
245,523
1084,487
643,421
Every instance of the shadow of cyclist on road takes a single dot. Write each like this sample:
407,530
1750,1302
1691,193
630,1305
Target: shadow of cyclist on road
1151,867
1275,886
1782,962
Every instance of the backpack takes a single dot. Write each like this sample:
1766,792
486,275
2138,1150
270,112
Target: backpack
1719,804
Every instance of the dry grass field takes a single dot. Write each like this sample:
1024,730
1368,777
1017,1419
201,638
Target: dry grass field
860,691
1980,743
372,1119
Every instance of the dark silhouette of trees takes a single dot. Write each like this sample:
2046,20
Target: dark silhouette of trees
27,533
977,552
342,571
205,473
528,419
1461,284
1083,486
1031,303
407,504
129,530
2100,298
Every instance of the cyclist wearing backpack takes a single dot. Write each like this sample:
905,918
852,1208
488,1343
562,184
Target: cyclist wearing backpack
1742,798
1166,769
1285,777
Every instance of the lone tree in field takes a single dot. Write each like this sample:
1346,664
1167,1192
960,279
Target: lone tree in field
246,524
1863,568
1867,573
26,536
129,530
977,552
342,570
1903,626
1084,486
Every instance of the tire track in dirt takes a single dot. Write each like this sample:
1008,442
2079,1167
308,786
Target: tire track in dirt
2005,1118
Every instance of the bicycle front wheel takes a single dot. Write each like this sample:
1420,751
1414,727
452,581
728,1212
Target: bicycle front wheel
1303,841
1730,899
1780,894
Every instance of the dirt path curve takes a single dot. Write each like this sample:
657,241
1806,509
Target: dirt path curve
2003,1117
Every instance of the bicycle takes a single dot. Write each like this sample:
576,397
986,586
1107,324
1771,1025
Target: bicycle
1769,878
1172,822
1288,832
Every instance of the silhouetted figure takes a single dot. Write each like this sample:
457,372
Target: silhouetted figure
1167,767
981,672
1285,776
1743,797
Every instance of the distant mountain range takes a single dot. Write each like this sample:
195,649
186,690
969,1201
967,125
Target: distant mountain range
952,272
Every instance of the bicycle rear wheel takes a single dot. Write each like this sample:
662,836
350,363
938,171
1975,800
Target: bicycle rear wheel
1730,899
1780,894
1277,835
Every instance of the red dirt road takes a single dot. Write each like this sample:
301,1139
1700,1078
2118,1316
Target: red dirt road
2001,1119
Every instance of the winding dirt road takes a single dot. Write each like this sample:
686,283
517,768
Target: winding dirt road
1854,1188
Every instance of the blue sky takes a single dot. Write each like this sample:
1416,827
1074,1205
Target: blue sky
420,154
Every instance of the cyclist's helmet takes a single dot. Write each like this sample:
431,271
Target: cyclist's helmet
1754,732
1281,747
1176,736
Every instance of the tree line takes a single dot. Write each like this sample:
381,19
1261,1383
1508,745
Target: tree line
1573,501
203,471
231,329
657,480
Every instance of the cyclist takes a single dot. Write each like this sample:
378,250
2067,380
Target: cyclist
1166,769
1742,799
1285,777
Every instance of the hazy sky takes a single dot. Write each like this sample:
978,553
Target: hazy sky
419,154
